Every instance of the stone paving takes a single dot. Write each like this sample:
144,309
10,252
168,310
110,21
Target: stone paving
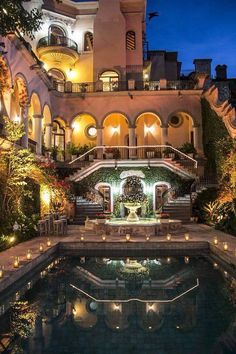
197,232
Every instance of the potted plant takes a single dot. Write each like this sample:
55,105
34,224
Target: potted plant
109,153
168,151
83,87
54,152
72,149
188,148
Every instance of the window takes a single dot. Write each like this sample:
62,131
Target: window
56,74
91,131
130,40
110,80
57,35
176,121
88,42
58,132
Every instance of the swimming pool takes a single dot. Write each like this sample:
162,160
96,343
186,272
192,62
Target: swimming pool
90,305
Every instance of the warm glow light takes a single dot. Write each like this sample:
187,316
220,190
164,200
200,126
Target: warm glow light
226,247
46,197
16,262
150,307
168,237
41,247
149,129
215,241
127,237
117,307
215,265
115,130
168,260
49,243
71,74
186,236
82,238
16,119
1,272
104,237
75,125
12,239
147,238
186,260
28,255
146,76
74,311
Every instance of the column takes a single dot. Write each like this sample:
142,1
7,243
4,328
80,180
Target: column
48,136
132,142
196,138
100,142
164,134
68,134
24,110
38,132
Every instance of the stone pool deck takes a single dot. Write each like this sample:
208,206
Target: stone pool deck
201,241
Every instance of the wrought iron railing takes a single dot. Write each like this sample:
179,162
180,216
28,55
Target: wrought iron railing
57,41
130,85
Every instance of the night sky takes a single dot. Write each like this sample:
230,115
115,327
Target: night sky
196,29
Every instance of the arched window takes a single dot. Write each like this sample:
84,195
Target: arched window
88,42
58,132
57,35
110,80
130,40
57,75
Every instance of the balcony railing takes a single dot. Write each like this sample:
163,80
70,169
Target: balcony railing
52,41
130,85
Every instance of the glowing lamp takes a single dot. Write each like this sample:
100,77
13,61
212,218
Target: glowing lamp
168,237
82,238
225,246
104,238
186,260
147,238
127,237
12,239
186,236
71,74
16,119
49,243
75,125
28,255
41,247
146,76
1,272
16,262
215,265
215,241
115,130
168,260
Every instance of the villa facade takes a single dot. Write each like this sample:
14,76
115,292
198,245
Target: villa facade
88,79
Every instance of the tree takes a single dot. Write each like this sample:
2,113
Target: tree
14,17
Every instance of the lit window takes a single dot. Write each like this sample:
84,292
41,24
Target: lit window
91,131
88,42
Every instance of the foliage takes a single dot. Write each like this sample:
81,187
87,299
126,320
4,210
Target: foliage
133,191
188,148
22,319
14,17
72,148
4,76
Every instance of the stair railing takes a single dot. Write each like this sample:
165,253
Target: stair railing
146,152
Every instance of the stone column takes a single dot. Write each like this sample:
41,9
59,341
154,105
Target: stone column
164,134
100,142
196,138
48,136
132,142
68,134
24,111
38,132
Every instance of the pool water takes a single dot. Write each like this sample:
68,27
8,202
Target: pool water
126,306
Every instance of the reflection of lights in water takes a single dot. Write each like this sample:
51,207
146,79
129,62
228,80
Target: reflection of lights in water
215,265
117,327
186,260
117,307
150,327
168,260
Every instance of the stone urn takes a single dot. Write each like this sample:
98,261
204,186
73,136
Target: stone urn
132,208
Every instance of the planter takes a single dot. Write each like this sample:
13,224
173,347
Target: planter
109,155
172,155
101,221
132,207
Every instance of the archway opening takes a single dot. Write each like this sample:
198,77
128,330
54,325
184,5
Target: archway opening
110,80
180,129
148,129
84,131
58,139
116,130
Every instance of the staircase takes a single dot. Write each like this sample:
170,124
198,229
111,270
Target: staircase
84,209
179,208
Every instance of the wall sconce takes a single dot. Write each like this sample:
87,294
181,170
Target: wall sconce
115,130
75,126
16,119
71,74
149,129
146,76
28,255
168,260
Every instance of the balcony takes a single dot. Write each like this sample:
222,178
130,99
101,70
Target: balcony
57,49
117,86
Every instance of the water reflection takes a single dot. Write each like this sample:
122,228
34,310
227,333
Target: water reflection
68,321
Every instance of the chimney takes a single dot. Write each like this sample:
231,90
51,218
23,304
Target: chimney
203,66
221,72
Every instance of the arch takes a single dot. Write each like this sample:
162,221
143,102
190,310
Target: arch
86,113
130,40
22,86
116,128
193,118
148,129
180,128
88,41
58,138
56,34
57,74
110,79
47,117
159,183
108,185
84,130
35,103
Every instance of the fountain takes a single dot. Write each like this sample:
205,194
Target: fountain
132,208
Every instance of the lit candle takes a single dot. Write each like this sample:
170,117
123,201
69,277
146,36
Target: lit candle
82,238
215,265
168,237
104,237
226,247
215,241
28,255
1,272
41,247
49,243
16,262
147,238
186,236
168,260
127,237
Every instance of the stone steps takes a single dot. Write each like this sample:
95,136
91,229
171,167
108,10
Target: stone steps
84,209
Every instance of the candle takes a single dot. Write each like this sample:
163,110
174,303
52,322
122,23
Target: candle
16,262
186,260
49,243
28,255
226,247
215,241
104,237
168,237
186,237
1,272
41,247
127,237
147,237
168,260
82,238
